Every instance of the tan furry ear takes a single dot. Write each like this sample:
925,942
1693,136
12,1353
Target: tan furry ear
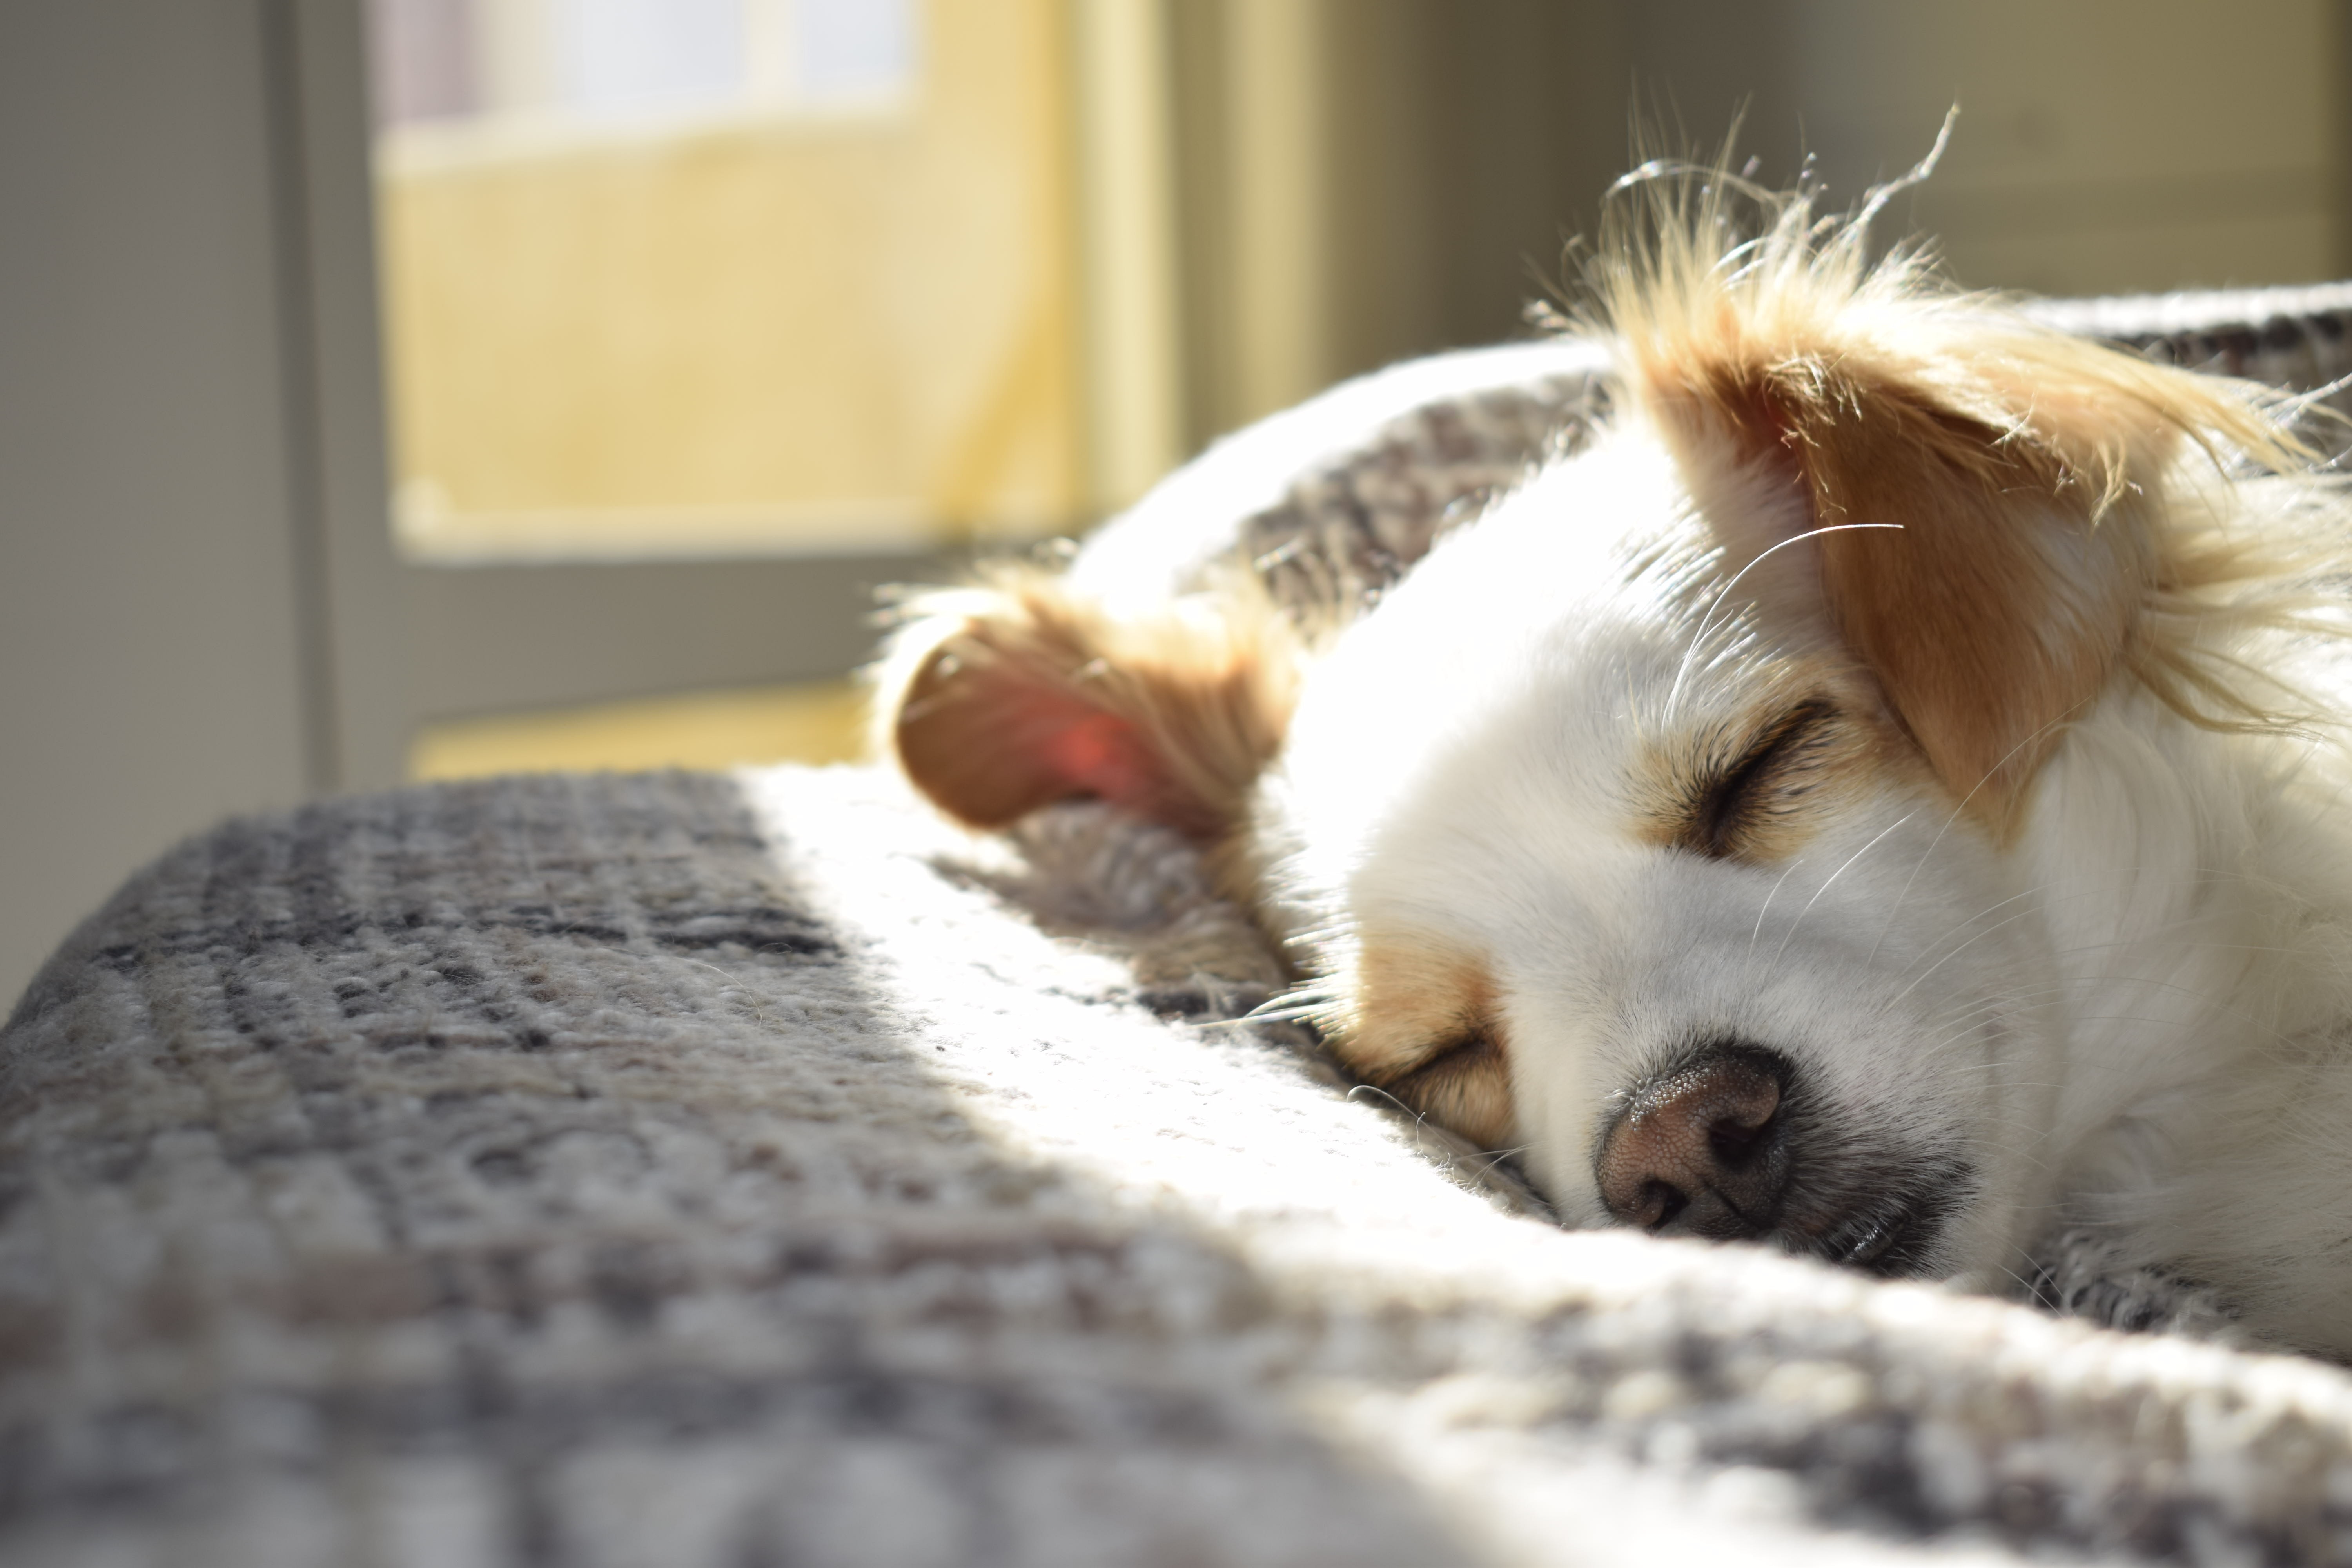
1988,575
1974,507
1017,693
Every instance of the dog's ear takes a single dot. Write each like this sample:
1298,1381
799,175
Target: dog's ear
1975,512
1018,693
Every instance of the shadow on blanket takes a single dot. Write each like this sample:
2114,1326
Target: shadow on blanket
679,1170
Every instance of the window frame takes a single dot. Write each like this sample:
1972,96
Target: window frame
388,644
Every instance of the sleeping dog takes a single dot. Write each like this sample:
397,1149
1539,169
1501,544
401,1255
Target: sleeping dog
1883,795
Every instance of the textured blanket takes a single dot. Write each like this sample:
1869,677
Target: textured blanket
680,1170
687,1170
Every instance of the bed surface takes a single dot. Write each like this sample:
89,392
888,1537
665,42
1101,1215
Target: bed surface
690,1170
686,1169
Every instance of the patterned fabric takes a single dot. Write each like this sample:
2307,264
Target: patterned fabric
680,1170
2300,339
683,1171
1354,524
1355,521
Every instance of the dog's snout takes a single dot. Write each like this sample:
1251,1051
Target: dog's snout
1701,1149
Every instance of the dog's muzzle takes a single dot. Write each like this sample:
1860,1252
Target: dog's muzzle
1720,1145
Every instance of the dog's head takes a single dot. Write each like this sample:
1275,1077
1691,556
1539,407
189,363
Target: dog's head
1664,822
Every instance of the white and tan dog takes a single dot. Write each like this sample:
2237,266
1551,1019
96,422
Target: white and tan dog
1884,794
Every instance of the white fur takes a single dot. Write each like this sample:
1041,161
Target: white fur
2131,1017
2047,931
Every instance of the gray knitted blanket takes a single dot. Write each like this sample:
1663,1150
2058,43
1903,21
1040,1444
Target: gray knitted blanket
1336,498
679,1170
683,1170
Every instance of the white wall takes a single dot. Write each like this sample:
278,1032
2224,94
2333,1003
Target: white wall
150,669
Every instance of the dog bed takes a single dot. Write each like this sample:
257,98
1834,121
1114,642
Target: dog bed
686,1169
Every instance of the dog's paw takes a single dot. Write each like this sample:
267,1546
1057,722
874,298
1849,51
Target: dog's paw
2081,1274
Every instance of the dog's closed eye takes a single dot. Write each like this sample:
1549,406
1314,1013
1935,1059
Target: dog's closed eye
1423,1025
1465,1084
1742,805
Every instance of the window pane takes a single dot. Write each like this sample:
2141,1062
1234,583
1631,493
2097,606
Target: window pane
622,58
697,277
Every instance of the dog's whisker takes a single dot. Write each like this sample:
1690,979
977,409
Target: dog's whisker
1673,692
1767,909
1956,952
2054,899
2093,890
1957,811
1825,886
1953,929
1267,1014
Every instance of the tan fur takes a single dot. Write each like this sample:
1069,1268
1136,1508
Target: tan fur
1807,745
2027,476
1422,1023
1014,693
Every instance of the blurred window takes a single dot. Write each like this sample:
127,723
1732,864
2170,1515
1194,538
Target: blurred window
667,279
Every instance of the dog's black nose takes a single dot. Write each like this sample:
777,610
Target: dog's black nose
1702,1148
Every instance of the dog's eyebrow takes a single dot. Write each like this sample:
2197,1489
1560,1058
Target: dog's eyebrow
1730,801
